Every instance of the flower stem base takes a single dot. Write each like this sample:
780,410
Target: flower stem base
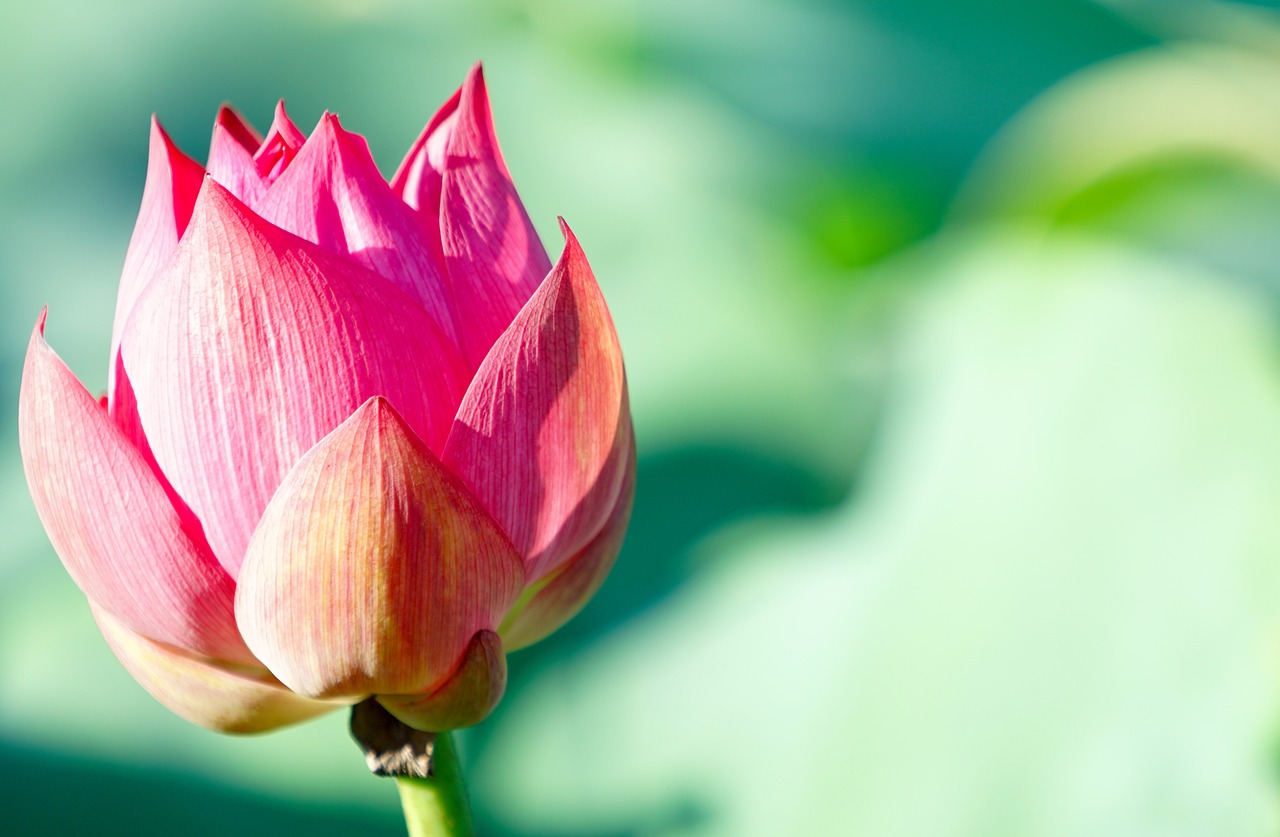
424,765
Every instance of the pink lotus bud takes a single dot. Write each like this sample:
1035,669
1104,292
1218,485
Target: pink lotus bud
360,439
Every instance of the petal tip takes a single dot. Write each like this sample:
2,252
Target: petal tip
161,141
231,122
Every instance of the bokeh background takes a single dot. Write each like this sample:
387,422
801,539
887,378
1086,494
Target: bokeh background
951,328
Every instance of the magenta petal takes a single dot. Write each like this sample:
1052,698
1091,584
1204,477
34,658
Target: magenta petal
173,180
110,521
334,195
282,144
231,156
419,179
254,346
544,432
492,253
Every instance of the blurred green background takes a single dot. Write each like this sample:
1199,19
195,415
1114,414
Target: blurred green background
951,330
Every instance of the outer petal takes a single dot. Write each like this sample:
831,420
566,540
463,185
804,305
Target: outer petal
544,433
334,195
231,156
173,180
254,347
110,521
220,697
373,566
555,600
465,698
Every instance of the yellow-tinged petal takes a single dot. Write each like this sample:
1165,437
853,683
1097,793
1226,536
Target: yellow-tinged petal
373,566
550,603
220,696
466,698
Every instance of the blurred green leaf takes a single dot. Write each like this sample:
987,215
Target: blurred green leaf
1049,612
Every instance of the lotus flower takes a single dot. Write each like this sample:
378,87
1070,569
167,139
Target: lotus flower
361,438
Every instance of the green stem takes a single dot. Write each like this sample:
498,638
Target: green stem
424,765
437,806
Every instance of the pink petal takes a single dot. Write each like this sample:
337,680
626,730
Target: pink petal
558,598
334,195
494,258
231,156
465,698
110,522
543,433
173,180
281,146
420,178
373,567
254,346
220,698
238,129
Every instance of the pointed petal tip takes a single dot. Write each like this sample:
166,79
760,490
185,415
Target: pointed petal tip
160,139
233,122
378,412
570,240
475,89
40,321
573,259
215,199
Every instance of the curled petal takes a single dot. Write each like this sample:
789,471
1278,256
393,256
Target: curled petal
547,605
419,179
281,146
223,698
543,435
173,180
333,195
231,156
492,253
256,345
110,521
373,567
465,698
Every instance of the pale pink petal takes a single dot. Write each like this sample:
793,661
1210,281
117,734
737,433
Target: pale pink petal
556,599
465,698
372,567
231,156
232,699
544,432
110,522
173,180
492,253
255,345
281,146
333,194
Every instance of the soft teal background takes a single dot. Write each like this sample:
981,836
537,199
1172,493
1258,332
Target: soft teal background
951,330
